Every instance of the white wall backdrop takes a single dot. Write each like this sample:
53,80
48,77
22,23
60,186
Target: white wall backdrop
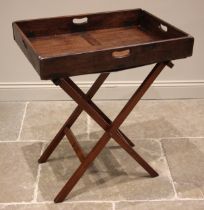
19,81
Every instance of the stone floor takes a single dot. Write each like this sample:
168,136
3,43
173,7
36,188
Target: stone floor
169,134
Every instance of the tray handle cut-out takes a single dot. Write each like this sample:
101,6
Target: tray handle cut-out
80,21
121,53
163,28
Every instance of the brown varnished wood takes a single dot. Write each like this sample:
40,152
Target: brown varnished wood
111,130
101,61
61,47
57,47
73,117
100,117
151,23
48,46
82,168
63,25
26,47
71,120
75,144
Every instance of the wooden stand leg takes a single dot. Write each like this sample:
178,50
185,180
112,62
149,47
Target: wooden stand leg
135,156
111,129
75,145
57,139
82,168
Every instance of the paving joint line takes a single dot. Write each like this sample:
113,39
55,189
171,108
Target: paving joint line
25,141
146,139
104,201
35,193
161,200
181,137
170,175
22,121
113,205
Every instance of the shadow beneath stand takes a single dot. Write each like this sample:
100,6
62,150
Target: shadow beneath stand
152,129
109,168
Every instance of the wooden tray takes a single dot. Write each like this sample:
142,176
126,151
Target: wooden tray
92,43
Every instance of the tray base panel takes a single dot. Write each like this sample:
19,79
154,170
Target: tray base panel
88,41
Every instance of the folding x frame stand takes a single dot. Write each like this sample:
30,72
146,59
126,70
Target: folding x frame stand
111,128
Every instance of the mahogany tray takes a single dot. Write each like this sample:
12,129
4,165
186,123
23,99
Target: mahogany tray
102,42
